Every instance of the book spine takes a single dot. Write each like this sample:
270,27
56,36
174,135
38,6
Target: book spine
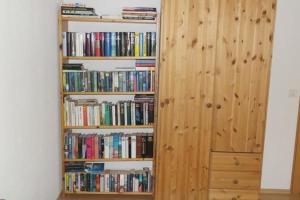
97,45
132,43
145,53
107,37
133,146
64,44
137,44
118,44
153,44
93,44
141,48
148,35
113,44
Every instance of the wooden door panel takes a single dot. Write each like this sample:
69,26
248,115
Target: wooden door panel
244,51
188,42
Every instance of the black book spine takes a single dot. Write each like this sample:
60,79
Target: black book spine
101,43
110,114
87,44
69,44
73,44
129,147
149,147
118,39
148,35
122,113
123,44
102,147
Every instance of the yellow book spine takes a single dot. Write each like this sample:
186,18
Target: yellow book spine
66,182
137,44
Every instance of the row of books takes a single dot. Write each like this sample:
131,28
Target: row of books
88,112
139,13
114,145
100,81
109,44
110,181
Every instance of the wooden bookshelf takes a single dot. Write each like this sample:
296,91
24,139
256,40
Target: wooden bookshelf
108,127
102,20
109,93
108,58
63,22
109,160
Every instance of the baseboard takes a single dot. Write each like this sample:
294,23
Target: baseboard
275,191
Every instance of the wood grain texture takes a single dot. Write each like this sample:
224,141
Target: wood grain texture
235,180
244,52
188,42
295,186
221,194
235,162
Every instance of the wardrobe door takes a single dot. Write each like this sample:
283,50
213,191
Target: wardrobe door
187,67
243,60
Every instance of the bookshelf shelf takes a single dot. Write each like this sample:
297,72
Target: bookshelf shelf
108,127
112,193
109,160
109,93
107,58
101,20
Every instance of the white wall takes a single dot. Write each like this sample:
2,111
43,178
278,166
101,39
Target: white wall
283,105
29,125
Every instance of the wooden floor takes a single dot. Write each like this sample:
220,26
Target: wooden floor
109,197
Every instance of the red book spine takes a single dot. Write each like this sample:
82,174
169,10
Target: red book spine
92,147
96,147
139,146
97,46
98,183
89,147
85,118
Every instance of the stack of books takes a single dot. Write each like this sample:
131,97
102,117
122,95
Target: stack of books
77,10
145,63
109,146
139,13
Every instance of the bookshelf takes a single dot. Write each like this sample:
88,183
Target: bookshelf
63,22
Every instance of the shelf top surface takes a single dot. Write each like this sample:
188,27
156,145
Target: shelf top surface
104,20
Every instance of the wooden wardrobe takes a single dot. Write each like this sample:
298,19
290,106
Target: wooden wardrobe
213,91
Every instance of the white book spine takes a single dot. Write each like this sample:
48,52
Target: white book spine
122,180
133,146
106,147
64,38
113,115
73,113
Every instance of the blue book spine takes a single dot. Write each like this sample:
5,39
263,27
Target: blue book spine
107,45
113,44
141,44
